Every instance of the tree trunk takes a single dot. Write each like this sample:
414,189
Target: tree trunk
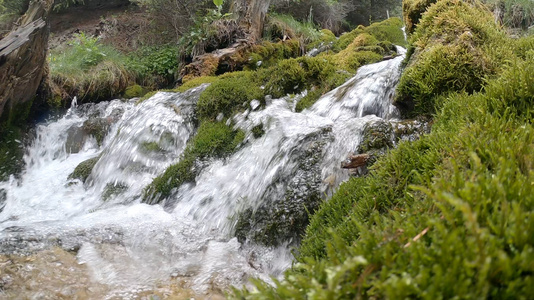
23,57
251,16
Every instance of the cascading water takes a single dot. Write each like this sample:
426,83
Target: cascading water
128,248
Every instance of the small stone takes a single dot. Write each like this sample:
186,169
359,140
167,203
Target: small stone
220,117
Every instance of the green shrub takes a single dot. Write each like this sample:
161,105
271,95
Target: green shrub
154,66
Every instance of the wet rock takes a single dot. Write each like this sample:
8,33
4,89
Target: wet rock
411,130
284,218
3,199
114,189
98,128
355,161
76,138
377,135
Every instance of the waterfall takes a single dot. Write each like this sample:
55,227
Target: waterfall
131,247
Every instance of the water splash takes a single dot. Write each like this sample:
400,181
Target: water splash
130,246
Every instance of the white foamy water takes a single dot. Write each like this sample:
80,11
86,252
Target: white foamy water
131,246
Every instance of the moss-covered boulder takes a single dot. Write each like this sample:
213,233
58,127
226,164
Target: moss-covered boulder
228,95
456,48
84,169
213,139
412,12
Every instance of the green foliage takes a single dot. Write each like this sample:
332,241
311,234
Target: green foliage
213,139
281,26
88,69
84,169
513,13
154,66
228,95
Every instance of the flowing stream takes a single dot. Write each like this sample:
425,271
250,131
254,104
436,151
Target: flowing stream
67,238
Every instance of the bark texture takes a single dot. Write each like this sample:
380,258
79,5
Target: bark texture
251,16
23,57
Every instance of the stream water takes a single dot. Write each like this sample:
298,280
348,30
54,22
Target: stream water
61,238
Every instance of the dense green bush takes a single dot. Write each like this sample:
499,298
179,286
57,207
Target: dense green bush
154,66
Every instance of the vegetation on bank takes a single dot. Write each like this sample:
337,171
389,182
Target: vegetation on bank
451,213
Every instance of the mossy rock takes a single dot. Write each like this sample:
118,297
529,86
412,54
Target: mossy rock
11,152
213,139
195,82
228,95
84,169
456,51
113,189
98,128
377,135
134,91
258,131
413,10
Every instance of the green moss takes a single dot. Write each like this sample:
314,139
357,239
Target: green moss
413,10
175,175
257,131
286,78
308,100
84,169
213,139
228,95
195,82
514,89
457,47
269,54
327,37
388,30
134,91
